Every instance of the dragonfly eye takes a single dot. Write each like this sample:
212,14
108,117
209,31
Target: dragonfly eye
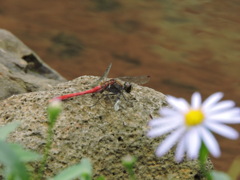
127,87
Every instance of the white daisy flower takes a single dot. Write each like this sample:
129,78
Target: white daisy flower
191,124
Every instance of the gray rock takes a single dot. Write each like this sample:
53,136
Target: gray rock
95,130
21,70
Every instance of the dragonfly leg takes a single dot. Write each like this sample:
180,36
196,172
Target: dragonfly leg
102,97
98,100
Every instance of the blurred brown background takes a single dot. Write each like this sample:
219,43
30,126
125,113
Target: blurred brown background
185,46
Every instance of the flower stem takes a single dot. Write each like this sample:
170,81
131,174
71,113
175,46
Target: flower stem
53,112
203,156
46,151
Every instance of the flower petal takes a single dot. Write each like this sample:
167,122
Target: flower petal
160,130
221,106
179,104
231,116
223,130
210,142
196,100
193,143
233,120
164,121
169,142
179,155
167,111
212,100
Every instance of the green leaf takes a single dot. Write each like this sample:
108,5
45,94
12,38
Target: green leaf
8,128
101,178
216,175
82,170
13,167
24,155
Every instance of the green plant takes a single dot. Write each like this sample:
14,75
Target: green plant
13,156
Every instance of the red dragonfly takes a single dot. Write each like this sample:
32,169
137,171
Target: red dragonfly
112,85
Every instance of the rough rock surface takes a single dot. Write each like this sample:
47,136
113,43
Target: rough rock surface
21,70
95,130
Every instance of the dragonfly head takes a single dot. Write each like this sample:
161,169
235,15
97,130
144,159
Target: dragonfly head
127,87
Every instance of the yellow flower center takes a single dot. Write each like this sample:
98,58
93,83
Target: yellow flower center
194,117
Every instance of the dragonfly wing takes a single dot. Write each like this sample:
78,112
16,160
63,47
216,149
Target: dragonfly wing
135,79
103,76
